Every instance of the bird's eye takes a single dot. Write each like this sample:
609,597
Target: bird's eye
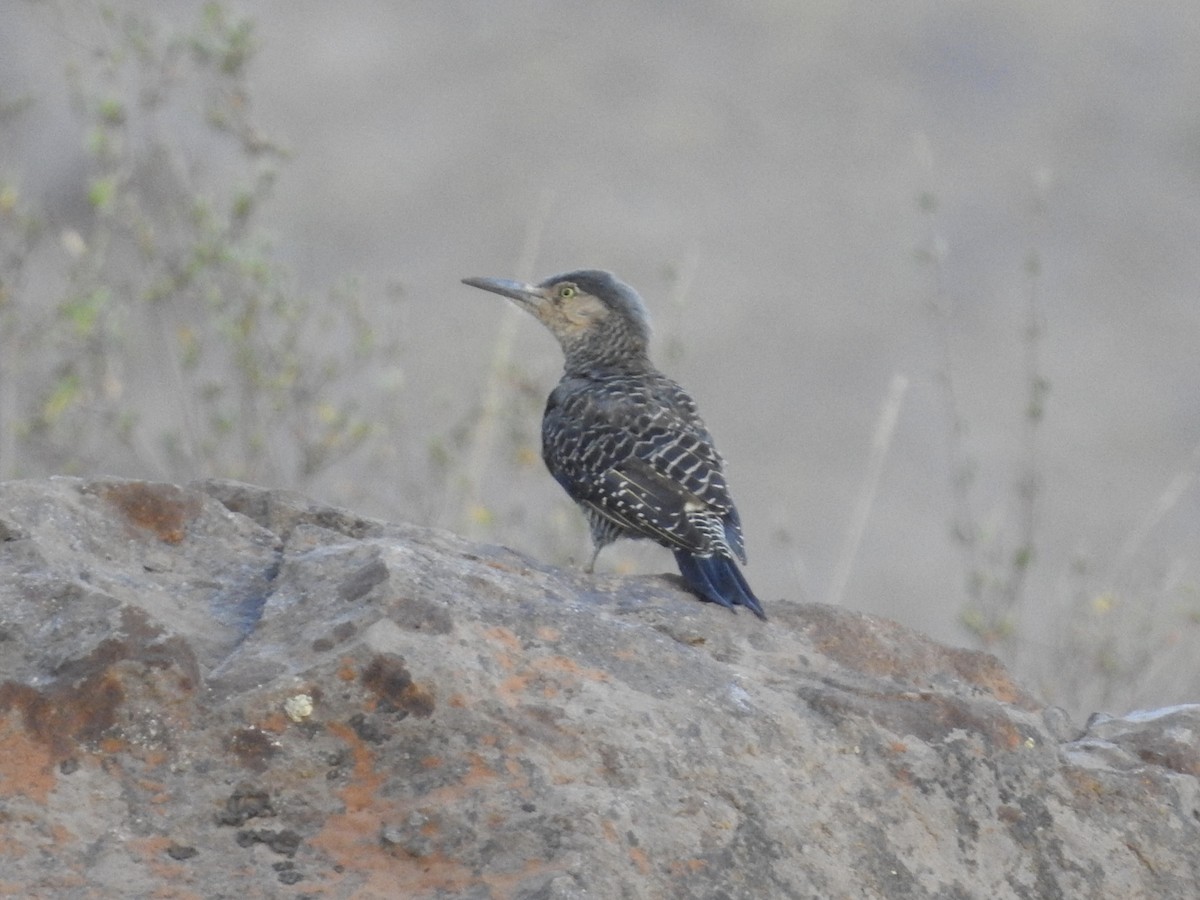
566,291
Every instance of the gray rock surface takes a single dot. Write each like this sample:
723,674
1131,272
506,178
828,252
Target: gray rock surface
220,690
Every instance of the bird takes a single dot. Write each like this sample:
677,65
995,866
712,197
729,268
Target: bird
625,441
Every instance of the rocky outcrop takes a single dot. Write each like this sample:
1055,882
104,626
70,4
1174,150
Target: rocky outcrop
219,690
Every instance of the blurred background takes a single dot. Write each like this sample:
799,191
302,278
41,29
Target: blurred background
930,270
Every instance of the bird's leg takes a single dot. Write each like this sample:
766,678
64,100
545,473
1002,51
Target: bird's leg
591,566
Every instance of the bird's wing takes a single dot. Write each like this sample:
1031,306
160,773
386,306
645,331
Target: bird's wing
642,458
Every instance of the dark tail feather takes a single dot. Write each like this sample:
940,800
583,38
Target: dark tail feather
717,579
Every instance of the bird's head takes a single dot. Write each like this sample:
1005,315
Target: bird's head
598,319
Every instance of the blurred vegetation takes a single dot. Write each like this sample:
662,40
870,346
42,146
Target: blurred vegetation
1108,635
172,343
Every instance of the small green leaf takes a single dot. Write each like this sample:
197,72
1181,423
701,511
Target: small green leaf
112,112
83,312
101,193
61,398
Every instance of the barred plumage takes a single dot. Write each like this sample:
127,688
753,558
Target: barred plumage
625,441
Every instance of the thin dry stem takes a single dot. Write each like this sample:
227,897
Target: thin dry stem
880,443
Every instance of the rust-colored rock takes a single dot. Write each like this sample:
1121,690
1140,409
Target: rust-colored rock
220,690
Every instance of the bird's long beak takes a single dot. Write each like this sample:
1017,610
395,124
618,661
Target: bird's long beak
526,296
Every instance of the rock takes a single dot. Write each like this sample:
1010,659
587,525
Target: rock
1168,738
220,690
